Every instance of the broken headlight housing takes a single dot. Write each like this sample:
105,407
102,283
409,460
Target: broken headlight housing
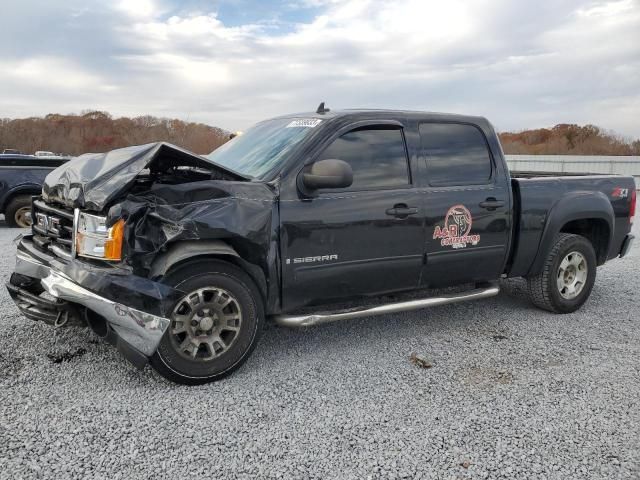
94,240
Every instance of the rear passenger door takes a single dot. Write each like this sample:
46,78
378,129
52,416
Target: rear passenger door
366,239
467,204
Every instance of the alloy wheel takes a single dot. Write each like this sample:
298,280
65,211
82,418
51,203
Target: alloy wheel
572,275
205,323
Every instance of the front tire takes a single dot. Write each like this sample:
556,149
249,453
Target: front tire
18,212
567,276
214,327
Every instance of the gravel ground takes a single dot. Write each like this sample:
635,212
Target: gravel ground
514,392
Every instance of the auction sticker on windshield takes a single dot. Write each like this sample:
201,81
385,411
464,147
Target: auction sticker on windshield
304,122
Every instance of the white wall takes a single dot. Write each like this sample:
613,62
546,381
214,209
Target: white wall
623,165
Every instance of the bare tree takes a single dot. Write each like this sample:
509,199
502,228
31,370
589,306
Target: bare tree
568,139
97,131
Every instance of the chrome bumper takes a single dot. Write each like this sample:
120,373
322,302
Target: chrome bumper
141,330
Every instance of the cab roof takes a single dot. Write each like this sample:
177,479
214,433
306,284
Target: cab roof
369,114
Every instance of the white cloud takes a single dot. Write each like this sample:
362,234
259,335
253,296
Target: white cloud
607,9
52,74
191,71
520,64
137,8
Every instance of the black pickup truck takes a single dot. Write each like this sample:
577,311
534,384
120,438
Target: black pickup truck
21,177
178,259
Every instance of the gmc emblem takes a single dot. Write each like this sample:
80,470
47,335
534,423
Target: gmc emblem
48,223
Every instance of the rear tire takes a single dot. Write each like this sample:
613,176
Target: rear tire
567,276
18,212
214,327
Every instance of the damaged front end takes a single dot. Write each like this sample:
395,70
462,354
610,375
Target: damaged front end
125,309
109,226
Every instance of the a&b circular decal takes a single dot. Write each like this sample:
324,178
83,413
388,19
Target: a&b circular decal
457,228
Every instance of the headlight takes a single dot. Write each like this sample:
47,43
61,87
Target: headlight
95,240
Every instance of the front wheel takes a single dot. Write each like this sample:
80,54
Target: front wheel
214,327
567,276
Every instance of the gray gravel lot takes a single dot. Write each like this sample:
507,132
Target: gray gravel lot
514,392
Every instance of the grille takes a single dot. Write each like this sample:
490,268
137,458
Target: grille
52,229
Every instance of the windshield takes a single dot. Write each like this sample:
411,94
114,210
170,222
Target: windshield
264,146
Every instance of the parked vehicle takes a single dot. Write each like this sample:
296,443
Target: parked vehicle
11,151
21,177
177,259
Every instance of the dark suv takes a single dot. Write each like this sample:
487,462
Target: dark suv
21,177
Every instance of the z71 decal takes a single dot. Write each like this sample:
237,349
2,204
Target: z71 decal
619,192
457,229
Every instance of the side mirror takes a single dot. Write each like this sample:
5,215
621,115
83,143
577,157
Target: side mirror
330,173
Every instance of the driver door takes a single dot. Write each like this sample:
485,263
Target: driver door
366,239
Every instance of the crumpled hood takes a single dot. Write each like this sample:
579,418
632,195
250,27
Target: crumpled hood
91,181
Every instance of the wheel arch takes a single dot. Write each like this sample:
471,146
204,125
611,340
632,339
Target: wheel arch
596,230
28,189
589,214
181,253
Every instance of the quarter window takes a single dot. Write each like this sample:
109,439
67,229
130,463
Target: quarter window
456,154
377,156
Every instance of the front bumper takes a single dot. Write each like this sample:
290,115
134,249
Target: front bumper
135,308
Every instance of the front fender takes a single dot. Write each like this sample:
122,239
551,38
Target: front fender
569,207
179,252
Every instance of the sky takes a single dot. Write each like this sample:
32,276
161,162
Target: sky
522,64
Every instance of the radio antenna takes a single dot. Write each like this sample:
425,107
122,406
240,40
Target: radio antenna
321,109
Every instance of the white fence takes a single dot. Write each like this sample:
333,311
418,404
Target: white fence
623,165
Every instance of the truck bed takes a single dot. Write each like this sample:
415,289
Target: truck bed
541,200
31,161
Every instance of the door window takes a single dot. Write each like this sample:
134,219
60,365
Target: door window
377,156
457,154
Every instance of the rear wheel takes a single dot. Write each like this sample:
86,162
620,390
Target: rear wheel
18,212
567,277
214,327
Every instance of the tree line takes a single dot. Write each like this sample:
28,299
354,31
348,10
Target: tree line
96,131
568,139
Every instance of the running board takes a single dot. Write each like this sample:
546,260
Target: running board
318,318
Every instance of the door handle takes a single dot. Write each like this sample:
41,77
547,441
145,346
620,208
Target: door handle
401,210
491,203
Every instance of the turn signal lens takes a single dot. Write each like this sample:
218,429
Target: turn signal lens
113,245
632,207
95,240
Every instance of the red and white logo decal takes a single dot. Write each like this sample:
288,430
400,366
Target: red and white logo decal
457,229
619,192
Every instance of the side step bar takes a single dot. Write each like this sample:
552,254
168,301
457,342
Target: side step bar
311,319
